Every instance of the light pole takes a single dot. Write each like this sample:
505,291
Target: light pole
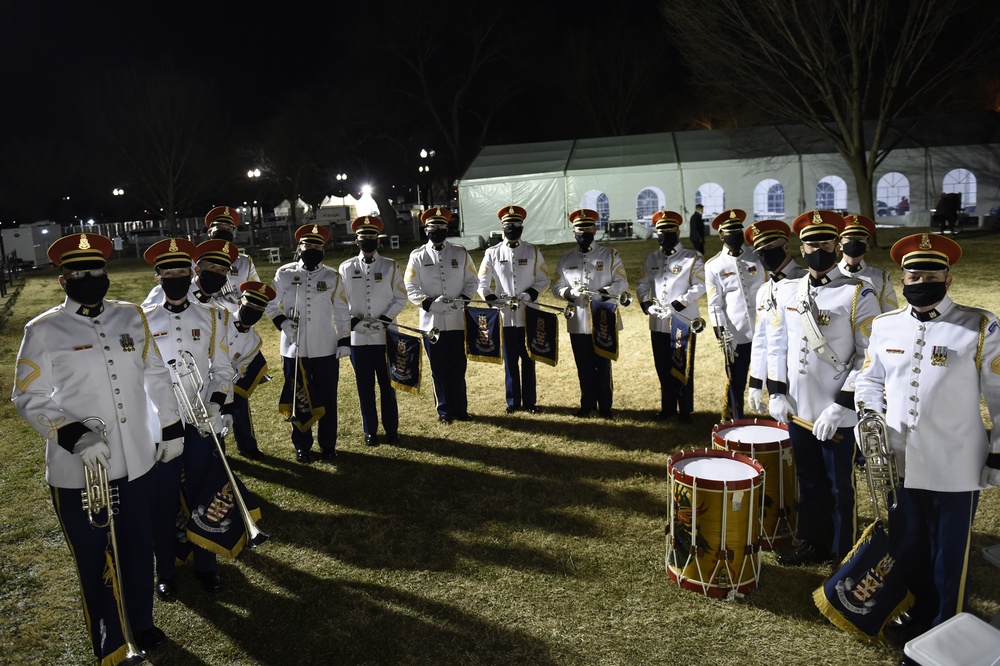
254,176
425,176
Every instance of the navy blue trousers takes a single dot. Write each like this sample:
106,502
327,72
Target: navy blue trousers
448,364
825,472
931,534
594,372
371,366
739,369
323,374
675,396
519,381
246,440
88,546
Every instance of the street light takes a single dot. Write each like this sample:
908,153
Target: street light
254,176
425,179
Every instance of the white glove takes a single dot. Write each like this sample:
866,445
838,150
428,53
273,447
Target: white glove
376,326
756,400
657,311
991,477
94,450
457,304
227,424
343,350
170,449
829,420
215,417
440,305
288,327
524,297
778,408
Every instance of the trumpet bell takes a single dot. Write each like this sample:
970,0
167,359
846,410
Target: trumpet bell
625,299
434,335
697,324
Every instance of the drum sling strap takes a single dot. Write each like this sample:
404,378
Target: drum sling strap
806,308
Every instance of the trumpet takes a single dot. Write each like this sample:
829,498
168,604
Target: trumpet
97,497
502,301
293,314
728,348
433,335
880,460
665,311
188,388
624,298
569,311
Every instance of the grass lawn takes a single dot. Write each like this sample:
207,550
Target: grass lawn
522,539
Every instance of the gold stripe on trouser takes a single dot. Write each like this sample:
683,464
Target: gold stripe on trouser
965,561
79,577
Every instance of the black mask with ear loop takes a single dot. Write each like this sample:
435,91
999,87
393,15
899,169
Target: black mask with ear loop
211,282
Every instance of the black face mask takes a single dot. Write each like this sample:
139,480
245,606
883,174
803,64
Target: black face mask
176,288
437,236
733,241
668,240
512,233
88,290
368,245
216,232
821,260
249,316
855,249
584,240
311,258
923,294
773,257
210,282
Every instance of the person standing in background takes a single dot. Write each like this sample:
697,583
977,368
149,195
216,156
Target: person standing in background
697,231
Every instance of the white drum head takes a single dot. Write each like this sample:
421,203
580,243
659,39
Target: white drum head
753,434
716,469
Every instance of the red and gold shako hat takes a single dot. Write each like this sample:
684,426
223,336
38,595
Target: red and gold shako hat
729,220
312,233
435,216
222,214
818,225
367,226
763,232
81,251
171,253
258,292
858,225
218,251
667,219
584,218
512,214
925,252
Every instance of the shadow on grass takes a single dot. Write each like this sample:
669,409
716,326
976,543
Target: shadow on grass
327,620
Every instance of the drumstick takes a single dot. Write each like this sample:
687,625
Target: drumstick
799,421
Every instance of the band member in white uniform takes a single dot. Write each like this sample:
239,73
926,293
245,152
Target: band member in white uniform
375,295
858,232
514,269
927,367
221,223
441,279
588,269
673,279
93,357
732,278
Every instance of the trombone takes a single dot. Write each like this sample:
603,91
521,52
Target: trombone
189,382
661,311
433,335
98,496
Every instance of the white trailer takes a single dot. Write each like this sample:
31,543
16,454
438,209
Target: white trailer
29,243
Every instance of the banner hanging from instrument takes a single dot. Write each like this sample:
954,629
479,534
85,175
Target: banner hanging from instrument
403,352
682,354
604,331
248,381
868,590
482,335
306,411
215,523
542,329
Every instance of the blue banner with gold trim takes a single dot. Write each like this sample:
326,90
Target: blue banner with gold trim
403,354
542,329
483,341
604,331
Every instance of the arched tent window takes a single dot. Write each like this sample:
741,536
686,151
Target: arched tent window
768,200
597,200
892,194
712,197
648,201
831,193
964,182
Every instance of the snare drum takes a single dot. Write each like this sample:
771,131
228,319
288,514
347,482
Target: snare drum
715,512
767,442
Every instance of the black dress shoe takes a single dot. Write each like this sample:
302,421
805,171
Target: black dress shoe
684,418
329,456
534,410
511,409
463,417
371,440
303,457
256,454
392,438
444,418
606,414
581,413
166,589
150,638
210,580
805,553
